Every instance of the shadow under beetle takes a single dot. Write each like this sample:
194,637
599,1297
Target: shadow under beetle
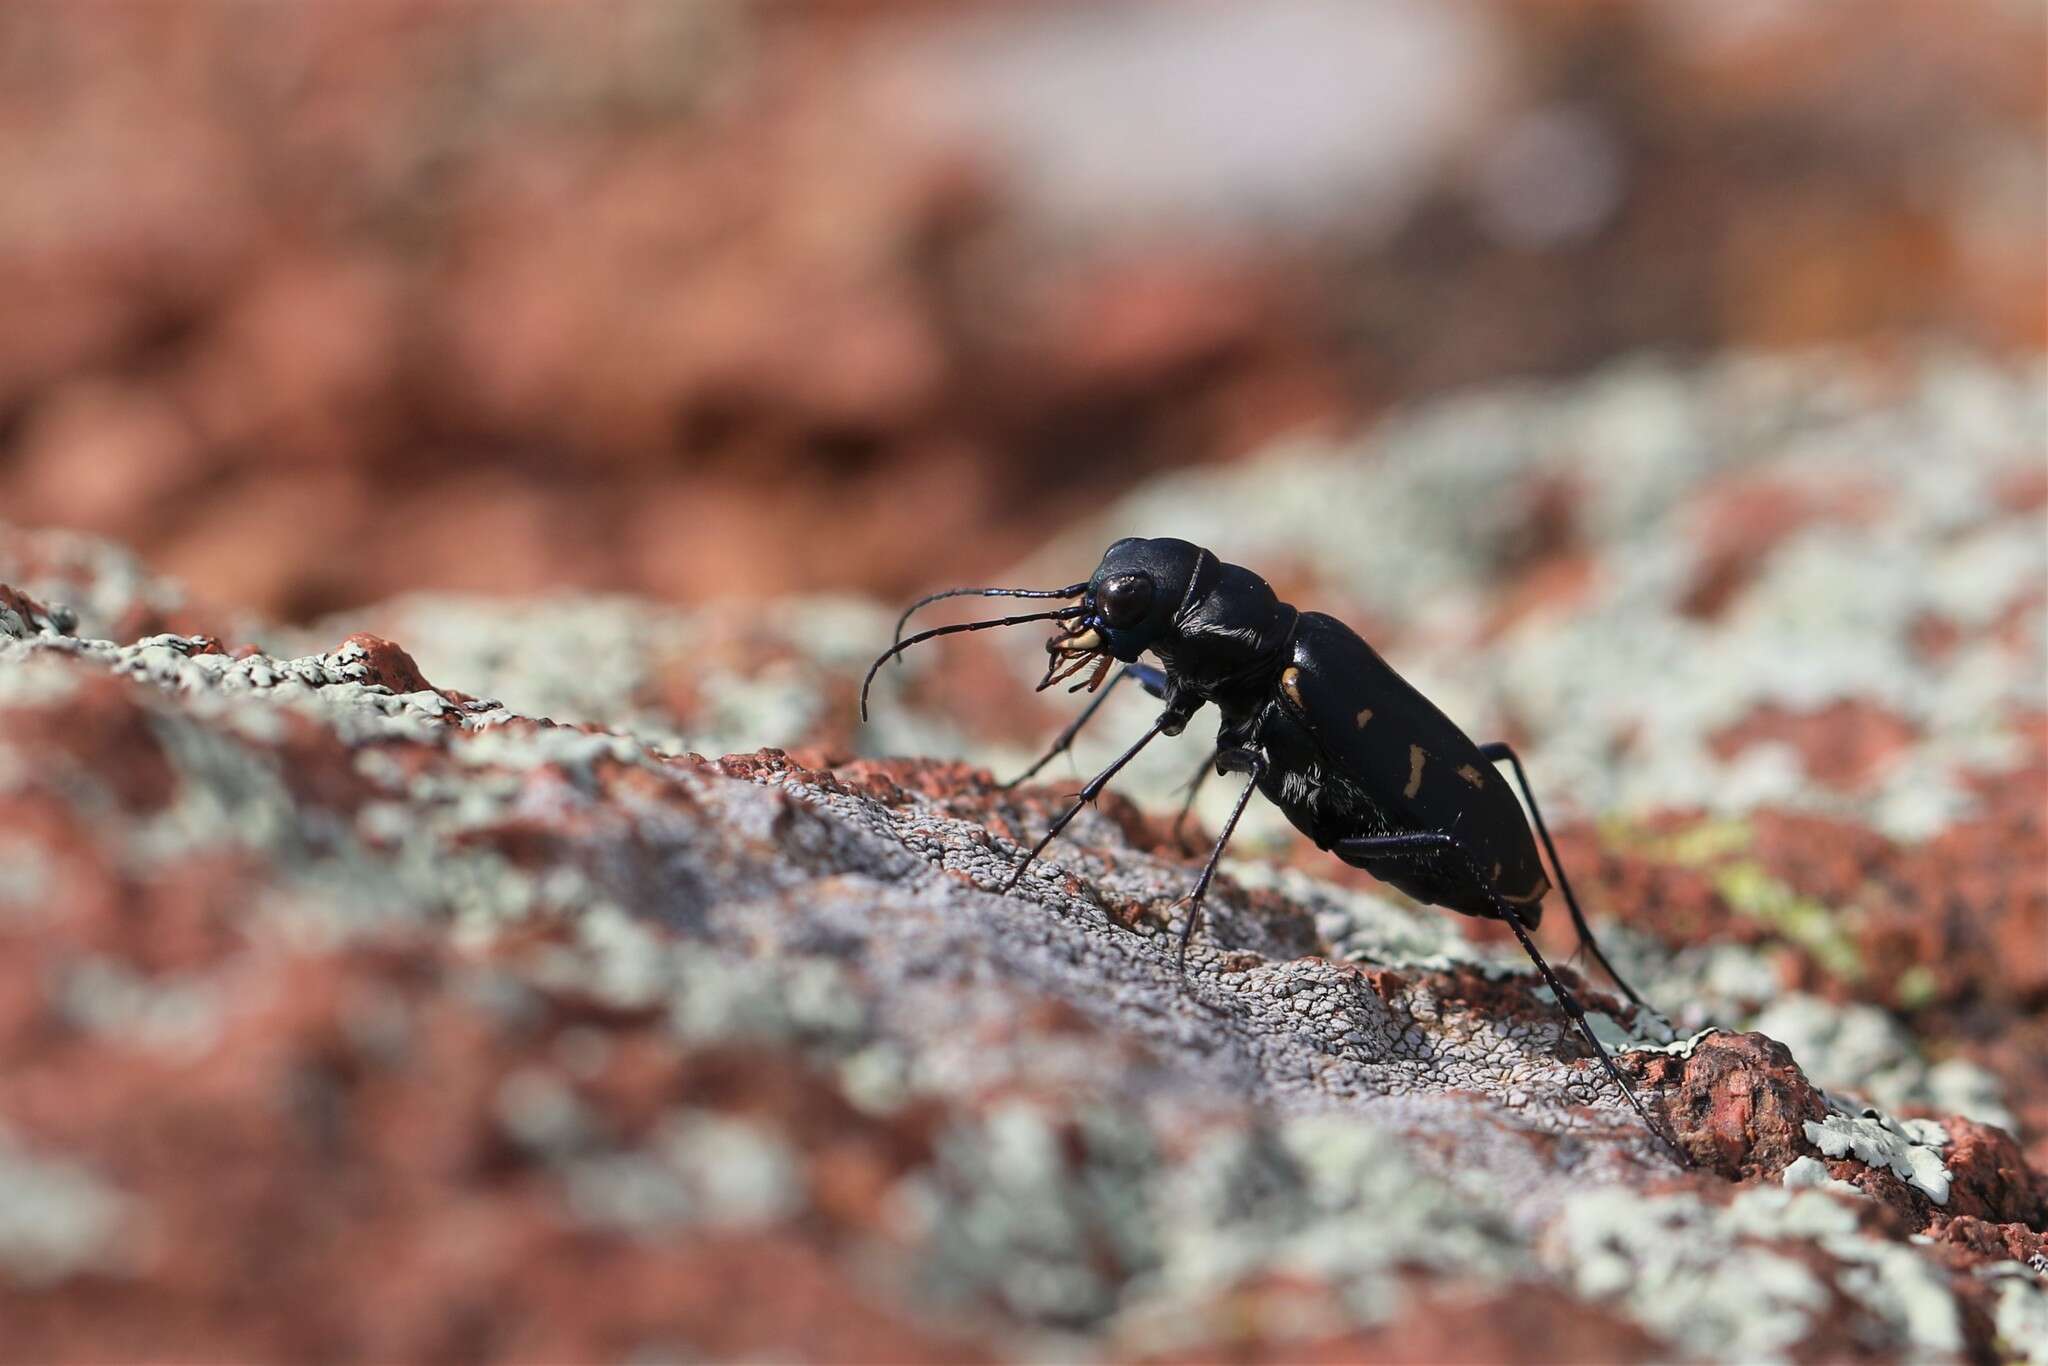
1360,762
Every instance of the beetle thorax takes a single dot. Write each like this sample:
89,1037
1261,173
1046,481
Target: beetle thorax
1230,646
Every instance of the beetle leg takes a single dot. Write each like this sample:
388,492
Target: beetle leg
1187,807
1424,843
1248,761
1498,750
1065,740
1150,679
1087,795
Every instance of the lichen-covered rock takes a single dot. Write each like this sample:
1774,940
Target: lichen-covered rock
347,1015
22,616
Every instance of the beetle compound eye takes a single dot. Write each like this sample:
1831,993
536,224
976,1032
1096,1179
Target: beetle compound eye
1126,599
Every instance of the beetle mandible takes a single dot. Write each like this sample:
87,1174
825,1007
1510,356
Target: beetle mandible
1354,755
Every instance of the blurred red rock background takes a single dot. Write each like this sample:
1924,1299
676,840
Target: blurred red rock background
311,304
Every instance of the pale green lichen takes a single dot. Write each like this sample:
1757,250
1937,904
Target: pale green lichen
2020,1315
1909,1148
31,677
1678,1273
1722,1280
1750,890
26,878
1651,1034
1808,1173
1044,1217
1327,1199
740,1172
179,1014
1093,1221
57,1218
537,1109
703,1170
876,1079
1916,986
1700,844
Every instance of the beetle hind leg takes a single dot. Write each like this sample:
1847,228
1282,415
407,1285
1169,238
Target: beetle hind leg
1422,845
1499,750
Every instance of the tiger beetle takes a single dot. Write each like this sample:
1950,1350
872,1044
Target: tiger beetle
1358,760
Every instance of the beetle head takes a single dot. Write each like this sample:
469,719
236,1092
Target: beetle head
1133,601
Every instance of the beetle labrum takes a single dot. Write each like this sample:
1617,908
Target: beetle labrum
1354,755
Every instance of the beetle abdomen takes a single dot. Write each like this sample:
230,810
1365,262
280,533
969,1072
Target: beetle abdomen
1386,760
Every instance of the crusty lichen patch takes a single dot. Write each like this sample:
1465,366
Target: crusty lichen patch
1736,1283
2021,1311
1910,1148
57,1217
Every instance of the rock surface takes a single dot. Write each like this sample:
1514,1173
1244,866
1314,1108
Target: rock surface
409,986
345,1014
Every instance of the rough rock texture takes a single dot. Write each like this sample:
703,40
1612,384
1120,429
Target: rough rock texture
347,1015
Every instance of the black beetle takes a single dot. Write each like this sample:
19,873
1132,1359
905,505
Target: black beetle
1359,760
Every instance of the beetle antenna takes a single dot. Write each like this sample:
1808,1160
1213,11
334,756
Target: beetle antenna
1072,591
900,646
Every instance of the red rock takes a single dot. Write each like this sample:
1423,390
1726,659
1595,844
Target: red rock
1982,1241
1519,1323
1842,745
388,665
1737,1105
100,734
1991,1178
1742,523
361,1150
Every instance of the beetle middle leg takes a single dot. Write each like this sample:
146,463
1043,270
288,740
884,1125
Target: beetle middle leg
1150,679
1499,750
1248,761
1426,843
1187,806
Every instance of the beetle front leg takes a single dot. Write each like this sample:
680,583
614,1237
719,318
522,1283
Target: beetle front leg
1150,679
1087,795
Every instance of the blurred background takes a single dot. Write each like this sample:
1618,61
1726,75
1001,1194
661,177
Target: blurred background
314,304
